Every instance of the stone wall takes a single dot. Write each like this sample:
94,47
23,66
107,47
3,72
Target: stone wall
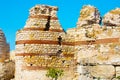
90,51
97,46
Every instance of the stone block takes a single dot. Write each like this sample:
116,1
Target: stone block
117,71
82,69
102,71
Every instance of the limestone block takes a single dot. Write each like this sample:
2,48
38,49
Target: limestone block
103,71
82,69
117,71
84,77
87,52
115,59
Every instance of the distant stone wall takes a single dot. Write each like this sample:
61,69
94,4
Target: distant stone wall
4,47
7,67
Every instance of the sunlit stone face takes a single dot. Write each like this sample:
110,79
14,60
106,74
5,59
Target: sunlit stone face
112,18
88,15
43,10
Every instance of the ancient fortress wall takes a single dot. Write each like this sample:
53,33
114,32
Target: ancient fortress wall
39,46
97,47
89,51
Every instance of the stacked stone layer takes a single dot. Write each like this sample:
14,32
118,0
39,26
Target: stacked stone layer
38,35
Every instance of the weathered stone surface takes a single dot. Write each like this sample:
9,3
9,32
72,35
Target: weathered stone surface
88,15
117,71
37,48
43,10
84,77
7,70
82,69
112,18
103,71
114,59
40,15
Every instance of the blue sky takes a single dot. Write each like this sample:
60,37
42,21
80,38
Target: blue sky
14,13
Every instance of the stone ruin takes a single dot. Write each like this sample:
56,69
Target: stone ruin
97,46
4,47
39,46
90,51
6,66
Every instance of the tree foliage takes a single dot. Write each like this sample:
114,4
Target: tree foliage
54,73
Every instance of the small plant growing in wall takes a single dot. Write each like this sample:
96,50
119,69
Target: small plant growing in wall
118,77
98,78
54,73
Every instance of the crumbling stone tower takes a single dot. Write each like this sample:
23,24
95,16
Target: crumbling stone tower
40,45
6,66
4,47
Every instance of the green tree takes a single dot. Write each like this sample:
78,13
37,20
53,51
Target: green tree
54,73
